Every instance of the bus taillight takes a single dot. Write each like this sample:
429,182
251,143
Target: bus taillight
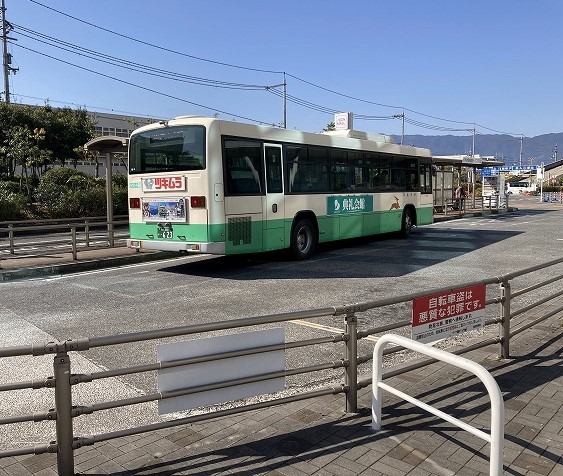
134,203
197,202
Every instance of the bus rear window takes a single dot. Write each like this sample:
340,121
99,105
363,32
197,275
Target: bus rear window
167,149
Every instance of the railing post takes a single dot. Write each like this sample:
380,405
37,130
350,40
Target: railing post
111,237
73,235
63,408
504,326
11,239
87,233
351,376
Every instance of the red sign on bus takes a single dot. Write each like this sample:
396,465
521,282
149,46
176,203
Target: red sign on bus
165,184
441,315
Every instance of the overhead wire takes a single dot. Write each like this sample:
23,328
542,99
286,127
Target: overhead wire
130,65
144,87
146,43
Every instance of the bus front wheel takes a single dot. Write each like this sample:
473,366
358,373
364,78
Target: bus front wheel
303,239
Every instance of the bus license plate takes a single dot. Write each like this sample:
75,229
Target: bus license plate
164,233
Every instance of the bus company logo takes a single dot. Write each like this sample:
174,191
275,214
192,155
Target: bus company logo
164,184
395,204
349,204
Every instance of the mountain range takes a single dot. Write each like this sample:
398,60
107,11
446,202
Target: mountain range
535,150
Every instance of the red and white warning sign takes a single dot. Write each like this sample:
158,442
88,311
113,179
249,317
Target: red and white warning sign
441,315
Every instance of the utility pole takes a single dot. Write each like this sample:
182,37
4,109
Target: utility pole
284,96
403,127
521,147
401,116
6,28
284,102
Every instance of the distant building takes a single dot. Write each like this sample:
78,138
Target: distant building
117,125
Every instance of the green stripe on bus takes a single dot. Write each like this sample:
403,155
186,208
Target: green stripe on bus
253,236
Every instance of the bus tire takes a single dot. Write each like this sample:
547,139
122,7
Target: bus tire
303,239
407,222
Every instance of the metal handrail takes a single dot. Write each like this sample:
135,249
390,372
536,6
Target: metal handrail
77,235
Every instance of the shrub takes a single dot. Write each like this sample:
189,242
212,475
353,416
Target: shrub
13,205
63,193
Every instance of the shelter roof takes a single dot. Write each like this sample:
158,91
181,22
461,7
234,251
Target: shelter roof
105,144
475,161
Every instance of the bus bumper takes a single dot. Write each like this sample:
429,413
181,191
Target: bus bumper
207,248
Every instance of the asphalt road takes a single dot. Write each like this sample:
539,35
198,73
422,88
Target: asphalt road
198,289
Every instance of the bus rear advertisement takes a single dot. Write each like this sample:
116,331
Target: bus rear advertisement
203,185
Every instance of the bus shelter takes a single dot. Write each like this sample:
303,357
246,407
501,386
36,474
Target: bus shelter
107,146
446,166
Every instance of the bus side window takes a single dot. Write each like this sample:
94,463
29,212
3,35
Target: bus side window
292,156
273,170
381,178
243,167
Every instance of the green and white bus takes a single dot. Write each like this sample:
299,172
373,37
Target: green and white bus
203,185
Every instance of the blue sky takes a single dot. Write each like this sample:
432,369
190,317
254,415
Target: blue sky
492,65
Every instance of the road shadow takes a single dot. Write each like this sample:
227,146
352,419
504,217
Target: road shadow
380,256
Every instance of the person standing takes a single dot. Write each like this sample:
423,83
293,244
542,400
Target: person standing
458,193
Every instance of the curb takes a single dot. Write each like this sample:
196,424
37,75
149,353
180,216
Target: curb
67,268
483,213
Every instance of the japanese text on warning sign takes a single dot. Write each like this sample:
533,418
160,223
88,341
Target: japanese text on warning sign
437,316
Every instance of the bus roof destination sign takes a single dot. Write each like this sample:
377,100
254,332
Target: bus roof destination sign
437,316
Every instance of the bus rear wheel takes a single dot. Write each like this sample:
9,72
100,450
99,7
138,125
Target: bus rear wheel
406,223
303,239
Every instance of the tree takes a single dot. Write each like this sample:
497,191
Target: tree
19,149
330,127
66,129
55,132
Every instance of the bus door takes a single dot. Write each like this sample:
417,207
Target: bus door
244,196
274,209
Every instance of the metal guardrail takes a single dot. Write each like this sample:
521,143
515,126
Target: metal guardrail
453,206
65,409
69,234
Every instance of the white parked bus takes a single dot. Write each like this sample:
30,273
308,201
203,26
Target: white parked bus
204,185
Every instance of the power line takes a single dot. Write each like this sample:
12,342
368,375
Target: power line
145,88
92,108
130,65
153,45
